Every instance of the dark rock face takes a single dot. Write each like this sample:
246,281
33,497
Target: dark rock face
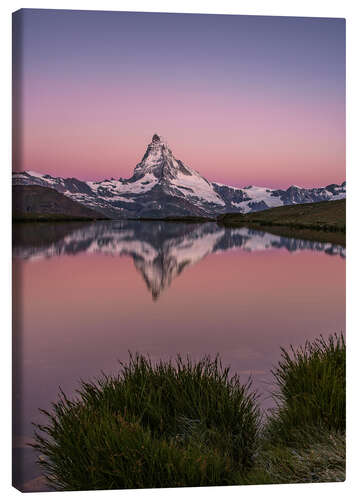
231,194
256,206
162,186
296,194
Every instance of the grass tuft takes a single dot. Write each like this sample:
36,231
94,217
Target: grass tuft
152,425
311,390
187,423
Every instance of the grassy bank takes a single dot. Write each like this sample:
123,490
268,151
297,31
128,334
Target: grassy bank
192,424
323,221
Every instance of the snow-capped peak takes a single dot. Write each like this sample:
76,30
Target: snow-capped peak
163,186
159,161
173,176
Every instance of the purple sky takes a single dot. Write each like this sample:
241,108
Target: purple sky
242,99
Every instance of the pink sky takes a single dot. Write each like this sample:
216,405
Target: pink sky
243,100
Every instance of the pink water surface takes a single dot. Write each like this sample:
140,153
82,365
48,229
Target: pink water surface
78,315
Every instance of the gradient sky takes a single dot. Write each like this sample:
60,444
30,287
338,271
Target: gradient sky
242,99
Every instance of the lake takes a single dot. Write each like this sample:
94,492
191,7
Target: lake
85,294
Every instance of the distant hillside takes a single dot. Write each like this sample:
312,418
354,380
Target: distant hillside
309,220
40,203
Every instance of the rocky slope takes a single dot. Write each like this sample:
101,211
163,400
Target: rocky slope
43,203
162,186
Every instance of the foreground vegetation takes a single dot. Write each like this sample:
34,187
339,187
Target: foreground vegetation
192,424
322,221
303,439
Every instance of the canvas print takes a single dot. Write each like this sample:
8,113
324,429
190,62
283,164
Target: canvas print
178,250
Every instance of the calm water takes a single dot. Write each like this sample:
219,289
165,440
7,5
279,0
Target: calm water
87,293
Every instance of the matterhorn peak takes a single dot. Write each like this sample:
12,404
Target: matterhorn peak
158,161
163,186
155,138
158,142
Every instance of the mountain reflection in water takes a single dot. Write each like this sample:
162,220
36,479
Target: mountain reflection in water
160,250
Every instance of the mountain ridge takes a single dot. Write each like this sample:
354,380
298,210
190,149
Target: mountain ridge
163,186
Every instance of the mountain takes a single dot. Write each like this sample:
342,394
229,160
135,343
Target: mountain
161,251
43,203
162,186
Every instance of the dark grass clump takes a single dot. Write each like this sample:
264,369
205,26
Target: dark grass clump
311,393
152,425
303,439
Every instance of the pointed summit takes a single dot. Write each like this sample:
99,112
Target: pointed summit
170,180
155,138
158,161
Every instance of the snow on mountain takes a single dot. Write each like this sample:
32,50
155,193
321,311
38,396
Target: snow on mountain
260,196
162,186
